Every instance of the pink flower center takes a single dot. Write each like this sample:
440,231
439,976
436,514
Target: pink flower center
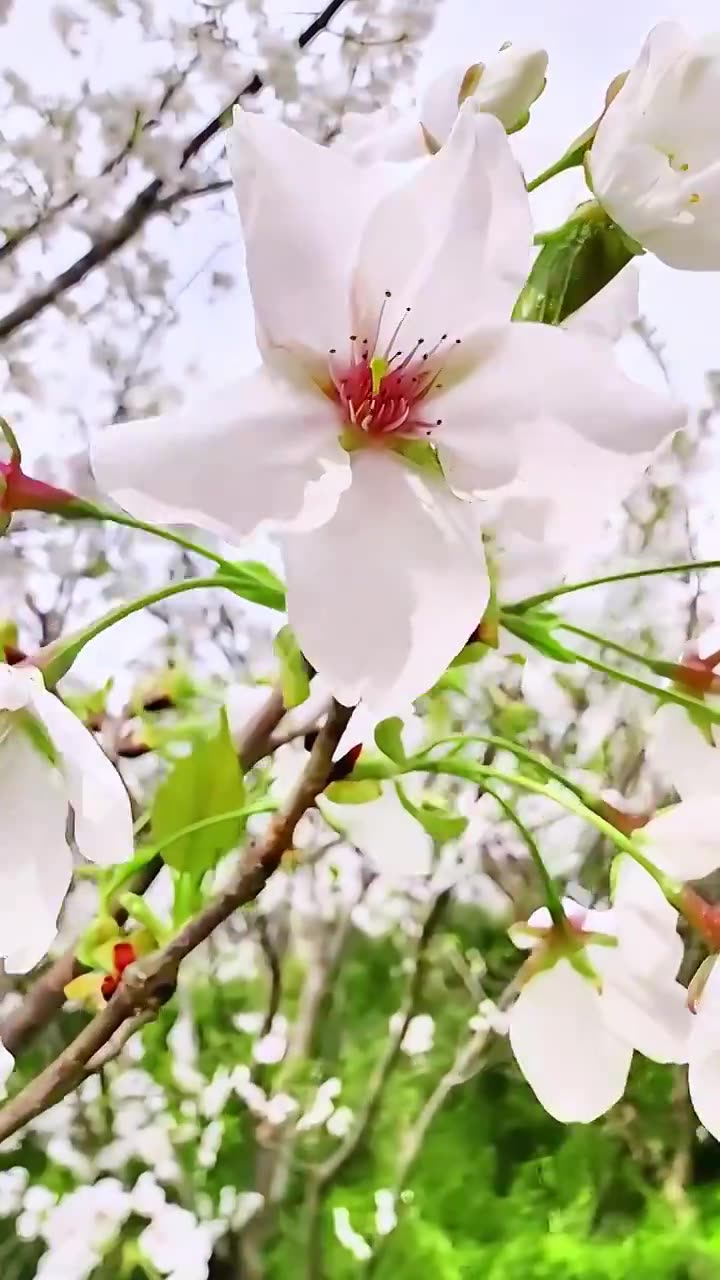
386,392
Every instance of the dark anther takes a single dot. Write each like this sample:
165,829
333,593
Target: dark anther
438,422
353,337
458,341
333,351
388,293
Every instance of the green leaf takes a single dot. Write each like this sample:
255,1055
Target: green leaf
537,629
472,652
347,792
294,673
388,739
575,263
514,719
256,582
435,819
205,783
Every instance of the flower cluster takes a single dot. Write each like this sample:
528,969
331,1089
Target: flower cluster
437,416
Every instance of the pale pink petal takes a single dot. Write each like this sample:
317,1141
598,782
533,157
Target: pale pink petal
539,374
570,1057
242,455
387,139
101,807
303,209
680,753
684,840
611,312
645,922
583,484
452,243
652,1017
386,833
439,105
35,858
704,1056
385,594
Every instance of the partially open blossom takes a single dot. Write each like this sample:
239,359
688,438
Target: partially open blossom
21,492
50,768
393,389
704,1055
684,751
655,158
505,87
586,1004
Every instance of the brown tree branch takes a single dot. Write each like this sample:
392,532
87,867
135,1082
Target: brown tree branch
148,984
46,996
146,203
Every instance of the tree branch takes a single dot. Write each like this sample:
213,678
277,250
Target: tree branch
148,984
46,996
146,203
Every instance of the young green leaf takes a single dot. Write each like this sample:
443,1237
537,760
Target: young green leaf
207,782
388,739
294,673
436,820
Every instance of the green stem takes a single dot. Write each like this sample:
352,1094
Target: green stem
664,695
475,772
552,897
567,161
522,753
530,602
129,522
58,662
657,666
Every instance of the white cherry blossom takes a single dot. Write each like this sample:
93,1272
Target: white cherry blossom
374,344
655,160
574,1026
50,768
704,1055
505,87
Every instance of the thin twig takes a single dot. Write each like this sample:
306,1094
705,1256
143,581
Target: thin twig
148,984
47,994
146,203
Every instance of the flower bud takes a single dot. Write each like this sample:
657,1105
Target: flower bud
574,264
654,159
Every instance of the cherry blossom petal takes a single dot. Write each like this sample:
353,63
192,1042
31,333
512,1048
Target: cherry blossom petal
17,685
653,1017
386,833
385,594
539,373
681,754
609,314
645,922
452,243
582,483
570,1057
704,1056
36,858
684,841
100,804
303,209
387,138
245,454
7,1064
